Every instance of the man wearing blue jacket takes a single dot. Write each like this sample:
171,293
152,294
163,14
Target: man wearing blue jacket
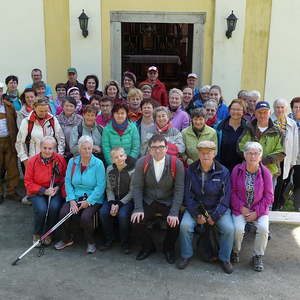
207,185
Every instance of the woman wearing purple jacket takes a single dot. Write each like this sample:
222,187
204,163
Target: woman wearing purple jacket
251,196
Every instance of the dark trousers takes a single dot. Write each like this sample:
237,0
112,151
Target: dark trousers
144,234
123,217
297,187
85,218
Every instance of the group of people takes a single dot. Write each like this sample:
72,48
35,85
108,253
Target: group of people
136,152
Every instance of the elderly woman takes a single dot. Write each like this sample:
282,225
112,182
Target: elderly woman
67,120
196,133
215,93
38,124
146,90
251,196
120,132
129,81
229,130
44,183
295,115
74,93
27,98
179,118
112,90
163,126
188,102
85,187
211,107
207,198
90,128
91,84
290,144
204,93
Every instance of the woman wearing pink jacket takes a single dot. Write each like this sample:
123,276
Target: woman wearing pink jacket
251,196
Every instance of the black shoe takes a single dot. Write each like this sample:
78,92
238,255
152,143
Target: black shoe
1,199
182,263
144,253
170,256
106,246
227,267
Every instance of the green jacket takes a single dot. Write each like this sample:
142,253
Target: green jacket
191,141
271,142
130,141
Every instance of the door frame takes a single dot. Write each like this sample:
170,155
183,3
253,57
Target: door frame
117,17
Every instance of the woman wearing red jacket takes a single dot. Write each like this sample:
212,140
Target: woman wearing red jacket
44,181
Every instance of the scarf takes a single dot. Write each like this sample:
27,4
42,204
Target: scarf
163,129
212,121
28,108
67,121
119,128
134,116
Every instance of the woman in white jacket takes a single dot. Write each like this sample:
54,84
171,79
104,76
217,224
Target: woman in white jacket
290,144
37,125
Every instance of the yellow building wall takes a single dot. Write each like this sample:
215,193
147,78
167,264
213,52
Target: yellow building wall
57,40
163,5
256,44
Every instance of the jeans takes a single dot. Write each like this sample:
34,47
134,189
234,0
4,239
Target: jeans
123,217
40,205
225,235
261,237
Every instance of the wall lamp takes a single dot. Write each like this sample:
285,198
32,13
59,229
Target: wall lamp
231,23
83,22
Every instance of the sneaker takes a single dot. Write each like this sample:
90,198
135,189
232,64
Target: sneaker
47,241
62,245
25,201
235,257
227,267
91,248
257,262
35,238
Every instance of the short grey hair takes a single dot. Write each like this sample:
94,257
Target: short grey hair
50,139
161,108
205,88
85,139
254,94
253,145
176,91
211,102
282,101
117,149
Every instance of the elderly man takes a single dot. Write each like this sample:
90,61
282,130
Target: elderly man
158,185
251,99
191,81
207,198
159,91
73,82
36,75
8,154
263,131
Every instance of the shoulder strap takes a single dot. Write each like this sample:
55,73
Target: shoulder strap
79,130
173,166
100,129
73,169
28,137
146,163
51,121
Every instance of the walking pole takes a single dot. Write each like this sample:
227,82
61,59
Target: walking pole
51,230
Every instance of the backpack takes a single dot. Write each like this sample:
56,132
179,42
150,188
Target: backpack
173,165
29,130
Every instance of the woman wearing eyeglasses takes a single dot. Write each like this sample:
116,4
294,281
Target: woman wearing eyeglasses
229,131
38,124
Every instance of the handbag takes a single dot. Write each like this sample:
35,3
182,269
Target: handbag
288,192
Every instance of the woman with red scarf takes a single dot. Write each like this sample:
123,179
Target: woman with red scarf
162,125
120,132
211,107
27,99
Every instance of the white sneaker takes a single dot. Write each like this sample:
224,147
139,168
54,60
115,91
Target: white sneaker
25,201
35,238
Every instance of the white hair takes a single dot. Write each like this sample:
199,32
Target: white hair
255,94
50,139
205,88
85,139
176,91
211,102
253,145
281,101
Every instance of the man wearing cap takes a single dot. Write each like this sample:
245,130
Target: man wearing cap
263,131
207,198
36,75
8,154
191,81
159,91
73,82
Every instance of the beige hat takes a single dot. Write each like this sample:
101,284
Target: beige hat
206,145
